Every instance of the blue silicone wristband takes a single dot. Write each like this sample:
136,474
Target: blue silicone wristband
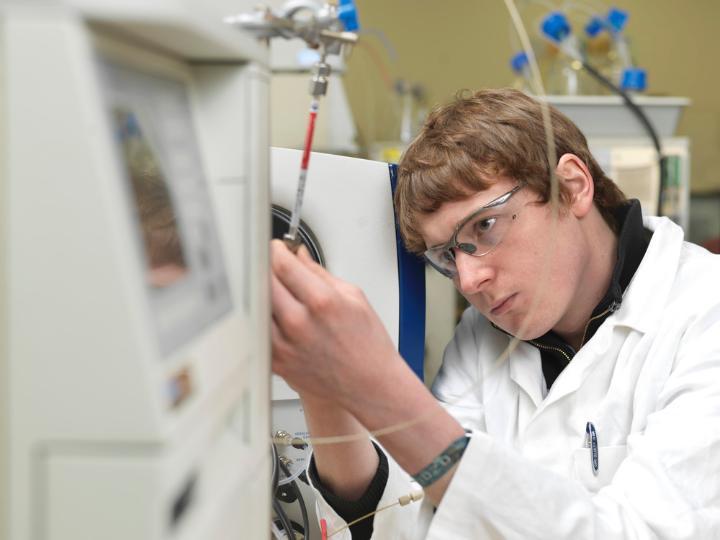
443,463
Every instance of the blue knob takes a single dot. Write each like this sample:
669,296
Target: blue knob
634,79
347,13
518,62
594,27
556,26
617,18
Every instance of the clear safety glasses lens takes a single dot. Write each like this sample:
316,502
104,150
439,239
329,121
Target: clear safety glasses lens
478,234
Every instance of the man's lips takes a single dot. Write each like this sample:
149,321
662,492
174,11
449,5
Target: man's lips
503,305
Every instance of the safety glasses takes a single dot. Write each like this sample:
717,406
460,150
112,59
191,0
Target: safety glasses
478,234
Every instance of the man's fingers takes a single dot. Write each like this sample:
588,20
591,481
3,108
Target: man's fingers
300,278
303,252
287,311
280,346
277,337
304,255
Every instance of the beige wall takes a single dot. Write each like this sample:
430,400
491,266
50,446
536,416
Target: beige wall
454,44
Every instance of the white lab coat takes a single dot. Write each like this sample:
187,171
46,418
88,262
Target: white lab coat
649,381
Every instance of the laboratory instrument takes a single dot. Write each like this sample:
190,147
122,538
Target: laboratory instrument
134,396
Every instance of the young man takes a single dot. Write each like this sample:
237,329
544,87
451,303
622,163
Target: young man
603,421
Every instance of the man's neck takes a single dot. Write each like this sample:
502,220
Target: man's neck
601,244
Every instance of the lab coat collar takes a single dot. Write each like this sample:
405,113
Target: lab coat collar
648,291
632,244
644,302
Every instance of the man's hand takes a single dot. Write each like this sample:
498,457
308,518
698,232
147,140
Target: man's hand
317,337
330,345
327,340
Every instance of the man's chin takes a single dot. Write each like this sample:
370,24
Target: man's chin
521,331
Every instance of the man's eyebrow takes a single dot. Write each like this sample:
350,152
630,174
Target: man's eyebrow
494,203
442,242
463,220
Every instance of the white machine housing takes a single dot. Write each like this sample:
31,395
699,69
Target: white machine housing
108,428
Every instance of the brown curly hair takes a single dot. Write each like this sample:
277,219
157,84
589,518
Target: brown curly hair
465,145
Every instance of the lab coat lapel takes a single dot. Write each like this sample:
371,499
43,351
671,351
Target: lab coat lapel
649,290
579,368
642,304
526,371
513,388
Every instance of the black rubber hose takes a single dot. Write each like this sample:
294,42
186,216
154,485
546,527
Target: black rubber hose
282,516
644,120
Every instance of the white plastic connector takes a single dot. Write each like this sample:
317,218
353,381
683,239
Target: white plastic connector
411,498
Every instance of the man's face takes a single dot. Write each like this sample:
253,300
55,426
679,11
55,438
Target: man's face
527,283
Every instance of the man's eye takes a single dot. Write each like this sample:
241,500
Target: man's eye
484,225
447,256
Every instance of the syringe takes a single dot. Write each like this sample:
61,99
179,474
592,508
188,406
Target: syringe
318,88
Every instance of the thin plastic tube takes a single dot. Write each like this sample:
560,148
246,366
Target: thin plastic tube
291,478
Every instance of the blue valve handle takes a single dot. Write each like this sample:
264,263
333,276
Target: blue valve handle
634,79
347,13
594,26
617,19
556,27
518,62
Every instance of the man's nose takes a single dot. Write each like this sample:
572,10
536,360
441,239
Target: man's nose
473,273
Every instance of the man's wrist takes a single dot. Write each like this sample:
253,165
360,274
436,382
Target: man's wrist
393,389
319,402
445,461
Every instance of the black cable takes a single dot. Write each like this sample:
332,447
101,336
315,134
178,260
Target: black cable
644,120
282,516
301,500
284,520
275,479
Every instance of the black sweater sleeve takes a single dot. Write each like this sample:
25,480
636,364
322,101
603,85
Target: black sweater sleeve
368,501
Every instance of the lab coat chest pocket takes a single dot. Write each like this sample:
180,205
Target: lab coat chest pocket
609,459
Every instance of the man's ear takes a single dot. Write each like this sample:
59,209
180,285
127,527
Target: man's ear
574,175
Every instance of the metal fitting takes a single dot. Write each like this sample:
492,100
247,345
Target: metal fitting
319,81
282,437
327,28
